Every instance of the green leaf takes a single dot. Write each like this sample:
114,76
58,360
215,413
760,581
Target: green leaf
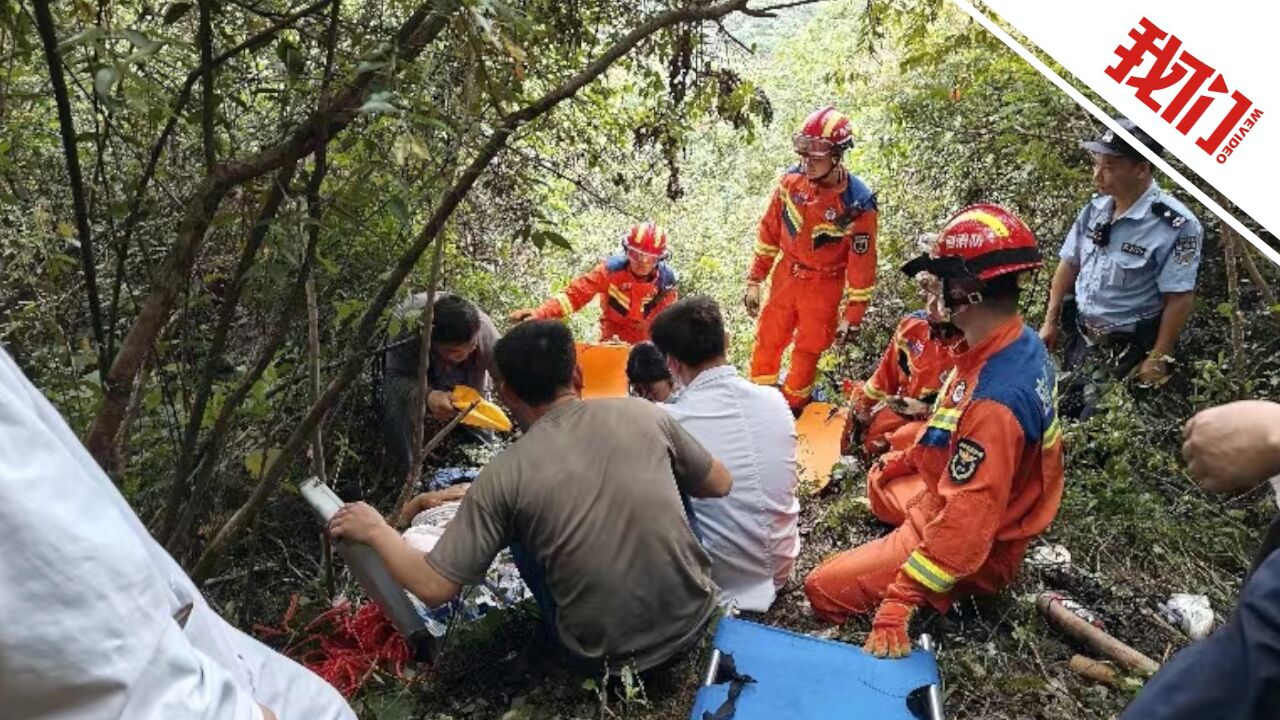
399,209
104,81
173,12
87,35
254,461
541,237
146,46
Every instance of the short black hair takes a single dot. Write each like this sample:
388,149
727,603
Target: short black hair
646,364
536,359
691,331
454,321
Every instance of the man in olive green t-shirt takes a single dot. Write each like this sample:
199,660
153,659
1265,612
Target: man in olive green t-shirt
589,500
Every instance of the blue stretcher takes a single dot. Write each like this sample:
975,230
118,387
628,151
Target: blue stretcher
770,673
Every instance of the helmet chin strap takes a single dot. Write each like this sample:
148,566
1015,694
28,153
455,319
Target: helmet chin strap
835,165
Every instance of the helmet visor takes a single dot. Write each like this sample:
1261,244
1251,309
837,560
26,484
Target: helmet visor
809,146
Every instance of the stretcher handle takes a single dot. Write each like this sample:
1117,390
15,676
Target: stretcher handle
934,705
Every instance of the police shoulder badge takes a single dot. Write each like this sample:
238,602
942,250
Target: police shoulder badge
965,461
862,243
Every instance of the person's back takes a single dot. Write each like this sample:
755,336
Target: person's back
752,535
592,496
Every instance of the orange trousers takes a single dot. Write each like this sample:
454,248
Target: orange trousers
854,582
805,311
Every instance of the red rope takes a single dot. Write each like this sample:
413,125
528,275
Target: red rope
348,644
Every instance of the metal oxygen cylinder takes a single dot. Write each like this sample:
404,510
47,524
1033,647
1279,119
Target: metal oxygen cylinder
372,573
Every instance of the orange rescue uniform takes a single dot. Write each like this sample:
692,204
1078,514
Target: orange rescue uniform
987,477
826,238
914,365
628,303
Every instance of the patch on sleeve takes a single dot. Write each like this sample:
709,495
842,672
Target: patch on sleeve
1185,249
861,243
965,461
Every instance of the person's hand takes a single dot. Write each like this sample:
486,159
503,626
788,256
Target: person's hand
1233,447
751,299
907,406
521,315
440,405
357,521
888,638
1049,334
428,500
1154,371
266,712
846,333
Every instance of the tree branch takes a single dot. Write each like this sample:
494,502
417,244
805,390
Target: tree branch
319,128
67,129
178,488
205,38
430,233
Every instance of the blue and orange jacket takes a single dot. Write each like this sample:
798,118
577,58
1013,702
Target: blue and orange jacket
821,233
629,303
991,455
914,365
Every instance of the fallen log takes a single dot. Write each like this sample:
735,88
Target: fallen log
1050,605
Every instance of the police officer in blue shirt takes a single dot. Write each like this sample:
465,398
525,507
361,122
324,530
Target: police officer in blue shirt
1126,282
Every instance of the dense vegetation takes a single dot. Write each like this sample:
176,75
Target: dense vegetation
187,189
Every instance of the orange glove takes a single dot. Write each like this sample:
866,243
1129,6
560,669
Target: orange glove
888,636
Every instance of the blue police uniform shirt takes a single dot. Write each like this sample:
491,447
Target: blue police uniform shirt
1154,248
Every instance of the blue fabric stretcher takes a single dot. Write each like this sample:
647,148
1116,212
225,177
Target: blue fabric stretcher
799,677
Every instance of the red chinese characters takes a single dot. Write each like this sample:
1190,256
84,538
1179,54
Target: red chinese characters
1174,71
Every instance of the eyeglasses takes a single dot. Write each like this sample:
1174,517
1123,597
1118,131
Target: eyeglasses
811,146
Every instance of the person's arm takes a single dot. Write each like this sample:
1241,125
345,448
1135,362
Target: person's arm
883,382
1233,447
697,473
1064,277
1064,282
768,238
1179,265
579,292
860,268
428,500
359,522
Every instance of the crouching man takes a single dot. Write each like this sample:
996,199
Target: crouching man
588,500
988,464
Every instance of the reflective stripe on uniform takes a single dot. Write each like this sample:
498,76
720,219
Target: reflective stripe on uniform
763,248
873,392
791,216
859,294
1052,435
927,573
801,393
620,296
946,418
765,379
565,304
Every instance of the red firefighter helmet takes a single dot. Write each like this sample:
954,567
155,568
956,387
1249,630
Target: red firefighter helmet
646,239
991,240
978,244
826,130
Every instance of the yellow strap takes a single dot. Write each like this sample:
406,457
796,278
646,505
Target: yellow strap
927,573
1052,435
620,296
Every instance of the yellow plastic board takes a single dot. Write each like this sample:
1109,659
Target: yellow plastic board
486,415
604,369
818,443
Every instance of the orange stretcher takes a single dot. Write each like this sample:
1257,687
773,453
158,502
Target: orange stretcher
818,443
604,369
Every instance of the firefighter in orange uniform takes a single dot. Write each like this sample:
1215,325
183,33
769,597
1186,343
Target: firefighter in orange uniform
633,286
988,462
890,407
821,229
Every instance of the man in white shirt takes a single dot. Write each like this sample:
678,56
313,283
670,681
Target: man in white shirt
99,621
751,535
